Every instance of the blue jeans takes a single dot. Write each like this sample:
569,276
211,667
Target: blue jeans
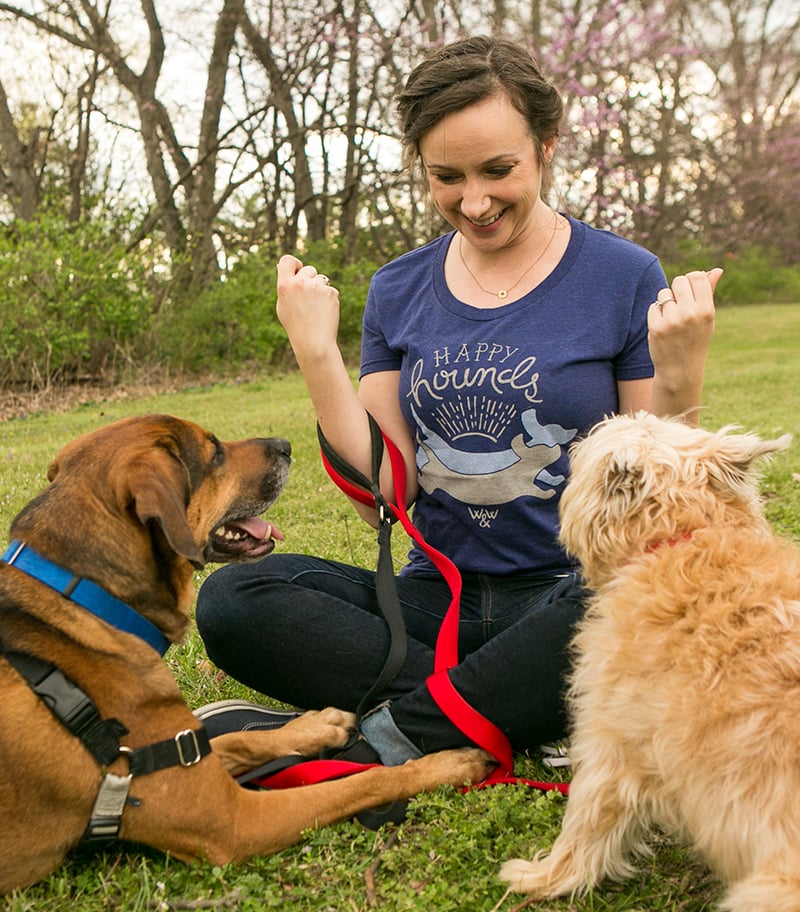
308,632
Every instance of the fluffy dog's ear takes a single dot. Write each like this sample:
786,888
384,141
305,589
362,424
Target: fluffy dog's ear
158,491
624,471
731,464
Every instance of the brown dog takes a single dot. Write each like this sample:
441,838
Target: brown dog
687,675
135,507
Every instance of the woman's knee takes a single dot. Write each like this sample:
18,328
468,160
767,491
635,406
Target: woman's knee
232,594
216,597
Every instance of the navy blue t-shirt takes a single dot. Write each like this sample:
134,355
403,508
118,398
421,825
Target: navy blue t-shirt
493,397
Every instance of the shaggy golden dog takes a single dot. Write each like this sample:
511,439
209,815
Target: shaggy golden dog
686,688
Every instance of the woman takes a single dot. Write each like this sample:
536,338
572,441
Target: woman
485,353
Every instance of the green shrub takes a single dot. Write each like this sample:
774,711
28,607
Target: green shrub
228,324
72,302
234,322
754,275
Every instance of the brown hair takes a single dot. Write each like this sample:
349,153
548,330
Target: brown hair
468,71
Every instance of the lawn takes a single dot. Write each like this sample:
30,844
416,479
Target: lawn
446,856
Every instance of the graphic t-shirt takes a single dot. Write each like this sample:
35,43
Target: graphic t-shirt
494,397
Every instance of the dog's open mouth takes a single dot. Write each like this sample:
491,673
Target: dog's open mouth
243,539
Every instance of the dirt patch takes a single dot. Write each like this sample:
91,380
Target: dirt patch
23,403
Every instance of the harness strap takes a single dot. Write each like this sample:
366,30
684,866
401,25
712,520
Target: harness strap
72,707
106,820
186,748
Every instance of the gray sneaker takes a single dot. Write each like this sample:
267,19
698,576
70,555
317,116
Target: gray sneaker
241,715
556,755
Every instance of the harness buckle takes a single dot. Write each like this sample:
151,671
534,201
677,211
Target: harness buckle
184,757
106,819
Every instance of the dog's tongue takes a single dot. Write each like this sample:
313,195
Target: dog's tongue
259,528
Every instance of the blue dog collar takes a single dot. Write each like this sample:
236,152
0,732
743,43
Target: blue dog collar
85,593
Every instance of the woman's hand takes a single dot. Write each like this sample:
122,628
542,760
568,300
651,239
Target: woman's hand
680,327
308,308
681,321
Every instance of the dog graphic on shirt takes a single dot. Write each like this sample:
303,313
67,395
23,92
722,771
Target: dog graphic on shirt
494,478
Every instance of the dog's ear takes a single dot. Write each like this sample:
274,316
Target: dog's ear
624,470
158,490
52,470
731,463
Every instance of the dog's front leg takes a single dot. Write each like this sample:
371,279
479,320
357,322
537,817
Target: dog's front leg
202,813
600,829
296,810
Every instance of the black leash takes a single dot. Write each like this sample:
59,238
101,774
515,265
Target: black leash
385,582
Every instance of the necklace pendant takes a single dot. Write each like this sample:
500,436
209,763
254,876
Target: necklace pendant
502,295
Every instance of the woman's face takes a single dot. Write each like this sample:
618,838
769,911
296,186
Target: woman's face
483,172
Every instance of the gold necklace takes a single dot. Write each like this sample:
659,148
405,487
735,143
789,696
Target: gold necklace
504,292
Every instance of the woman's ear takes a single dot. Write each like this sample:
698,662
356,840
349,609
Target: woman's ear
549,148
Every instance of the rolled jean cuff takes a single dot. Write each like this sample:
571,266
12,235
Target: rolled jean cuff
392,746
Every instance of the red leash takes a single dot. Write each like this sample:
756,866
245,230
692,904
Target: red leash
467,719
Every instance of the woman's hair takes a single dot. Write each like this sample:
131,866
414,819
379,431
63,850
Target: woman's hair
469,71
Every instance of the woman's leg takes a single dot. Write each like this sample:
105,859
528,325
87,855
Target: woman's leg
517,678
308,631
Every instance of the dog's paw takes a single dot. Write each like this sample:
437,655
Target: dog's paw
316,730
463,766
525,876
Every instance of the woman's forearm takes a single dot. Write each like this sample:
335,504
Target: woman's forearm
680,328
308,309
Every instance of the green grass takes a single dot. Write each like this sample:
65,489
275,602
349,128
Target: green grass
447,855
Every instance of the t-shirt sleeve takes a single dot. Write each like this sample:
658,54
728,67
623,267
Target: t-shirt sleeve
634,362
376,353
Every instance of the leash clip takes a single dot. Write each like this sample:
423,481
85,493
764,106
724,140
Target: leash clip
385,516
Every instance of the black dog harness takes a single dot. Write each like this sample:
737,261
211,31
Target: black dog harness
78,713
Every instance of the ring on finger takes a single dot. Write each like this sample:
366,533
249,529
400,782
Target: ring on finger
325,279
662,301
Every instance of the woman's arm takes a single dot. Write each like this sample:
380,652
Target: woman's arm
308,309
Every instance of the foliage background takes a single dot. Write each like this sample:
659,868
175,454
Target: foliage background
157,157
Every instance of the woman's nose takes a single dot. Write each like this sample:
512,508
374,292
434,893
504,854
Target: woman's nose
475,200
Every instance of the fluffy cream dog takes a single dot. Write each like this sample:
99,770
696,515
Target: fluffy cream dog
686,690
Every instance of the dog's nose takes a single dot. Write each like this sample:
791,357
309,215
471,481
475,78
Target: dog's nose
280,446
